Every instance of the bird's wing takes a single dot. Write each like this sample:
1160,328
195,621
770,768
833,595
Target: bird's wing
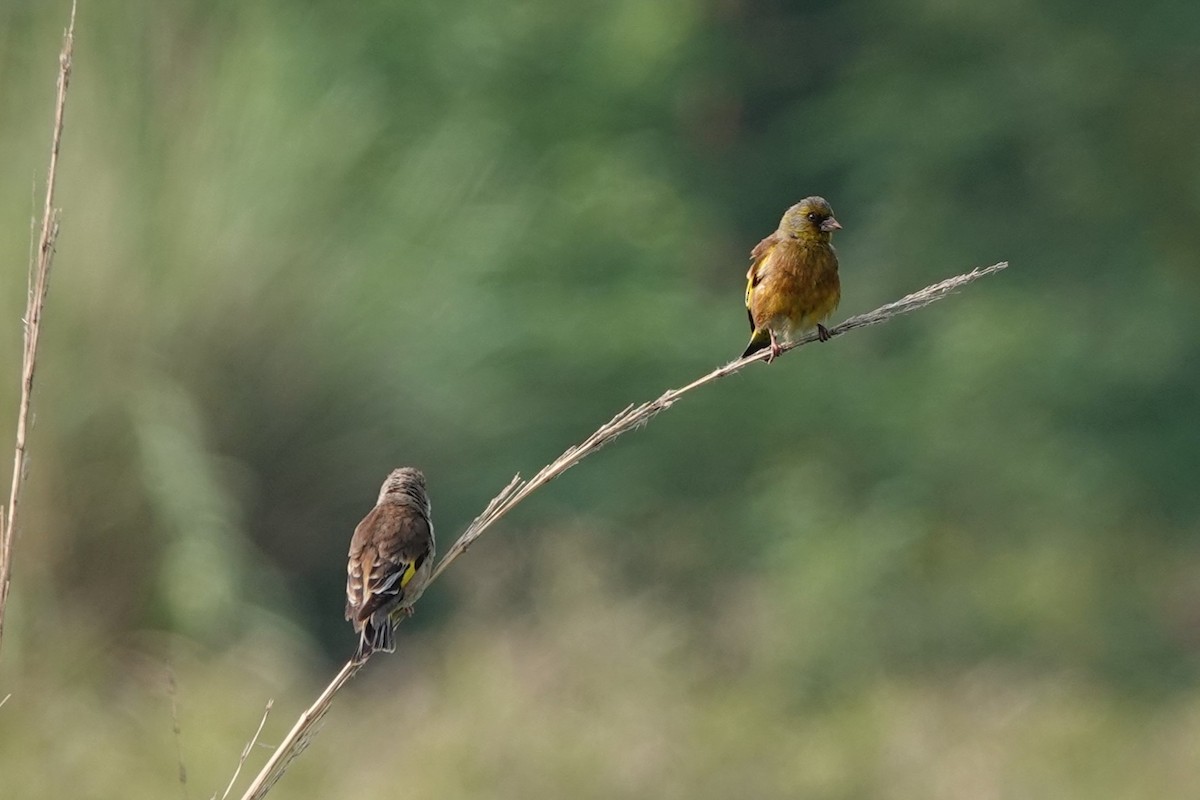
354,570
754,276
396,541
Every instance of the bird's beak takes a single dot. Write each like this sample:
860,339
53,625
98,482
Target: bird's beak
831,224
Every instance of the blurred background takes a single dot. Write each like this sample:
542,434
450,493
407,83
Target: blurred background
954,556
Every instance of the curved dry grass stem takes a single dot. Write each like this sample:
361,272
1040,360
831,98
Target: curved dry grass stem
636,416
39,281
517,490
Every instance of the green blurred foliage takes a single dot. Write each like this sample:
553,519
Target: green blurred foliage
303,243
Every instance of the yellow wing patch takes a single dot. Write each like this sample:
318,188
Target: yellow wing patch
408,574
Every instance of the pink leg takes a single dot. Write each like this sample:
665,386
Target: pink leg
775,348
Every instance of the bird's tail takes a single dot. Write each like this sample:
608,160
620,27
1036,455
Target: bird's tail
758,340
364,649
375,638
385,637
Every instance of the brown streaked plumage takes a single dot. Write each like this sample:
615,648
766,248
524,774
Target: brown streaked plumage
391,559
793,284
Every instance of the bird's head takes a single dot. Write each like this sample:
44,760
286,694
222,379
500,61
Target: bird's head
406,480
811,218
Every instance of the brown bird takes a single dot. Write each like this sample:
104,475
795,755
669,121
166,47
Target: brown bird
391,559
793,285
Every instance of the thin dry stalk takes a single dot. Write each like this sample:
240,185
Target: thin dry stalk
39,280
300,735
246,750
517,490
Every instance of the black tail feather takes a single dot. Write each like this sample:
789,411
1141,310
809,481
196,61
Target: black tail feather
758,341
374,639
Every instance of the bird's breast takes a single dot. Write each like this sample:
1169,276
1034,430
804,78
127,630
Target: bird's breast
799,283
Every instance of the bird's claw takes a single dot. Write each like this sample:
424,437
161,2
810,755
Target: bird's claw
823,334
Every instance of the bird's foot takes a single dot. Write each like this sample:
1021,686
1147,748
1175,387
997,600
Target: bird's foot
823,334
774,351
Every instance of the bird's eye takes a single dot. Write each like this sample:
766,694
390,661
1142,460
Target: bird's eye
813,216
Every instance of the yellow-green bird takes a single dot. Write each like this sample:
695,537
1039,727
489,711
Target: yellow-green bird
793,285
391,560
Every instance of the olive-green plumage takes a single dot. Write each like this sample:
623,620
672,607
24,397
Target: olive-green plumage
793,285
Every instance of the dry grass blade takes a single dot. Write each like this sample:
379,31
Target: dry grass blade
479,524
39,281
517,490
300,735
246,750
